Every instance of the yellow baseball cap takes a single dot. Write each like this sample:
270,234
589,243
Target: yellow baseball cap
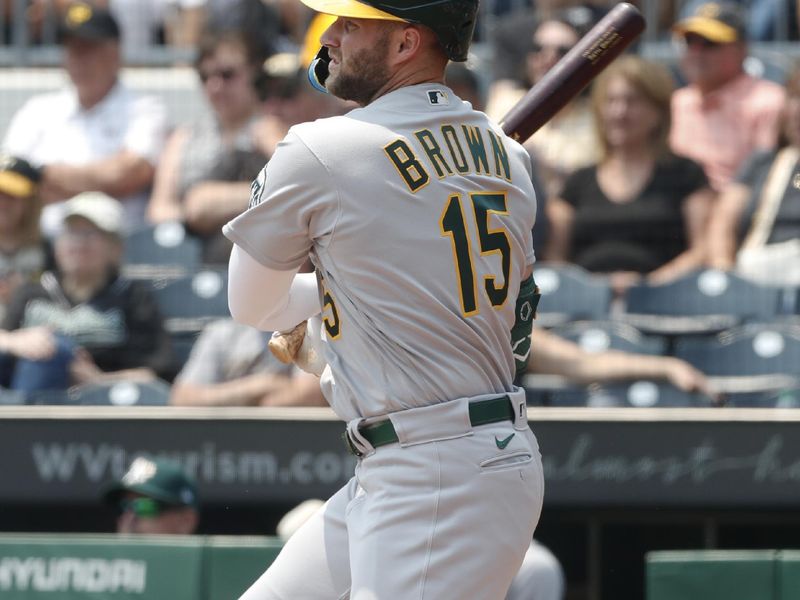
719,22
18,178
349,8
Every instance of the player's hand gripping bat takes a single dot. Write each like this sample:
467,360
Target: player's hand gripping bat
593,53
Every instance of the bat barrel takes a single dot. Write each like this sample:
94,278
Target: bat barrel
593,52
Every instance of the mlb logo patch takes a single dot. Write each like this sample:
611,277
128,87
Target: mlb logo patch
438,97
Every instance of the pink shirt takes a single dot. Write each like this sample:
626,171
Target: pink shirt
721,129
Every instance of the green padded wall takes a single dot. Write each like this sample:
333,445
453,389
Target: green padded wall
713,575
85,567
233,563
788,575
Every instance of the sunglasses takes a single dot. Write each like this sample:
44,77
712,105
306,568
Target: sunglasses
537,48
225,74
692,39
144,508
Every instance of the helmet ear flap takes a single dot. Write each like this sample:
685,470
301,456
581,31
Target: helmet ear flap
318,70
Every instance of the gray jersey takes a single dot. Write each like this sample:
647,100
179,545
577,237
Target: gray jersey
417,211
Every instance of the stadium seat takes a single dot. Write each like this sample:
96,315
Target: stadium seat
188,304
633,394
11,397
702,302
570,293
598,336
780,398
119,393
750,350
194,299
163,250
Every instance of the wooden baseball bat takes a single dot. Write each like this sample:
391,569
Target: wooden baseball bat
593,53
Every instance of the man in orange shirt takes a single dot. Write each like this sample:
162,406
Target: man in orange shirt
723,114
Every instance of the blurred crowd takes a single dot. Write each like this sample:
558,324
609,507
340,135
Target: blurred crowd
654,172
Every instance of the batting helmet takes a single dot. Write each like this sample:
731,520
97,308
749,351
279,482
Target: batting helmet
453,21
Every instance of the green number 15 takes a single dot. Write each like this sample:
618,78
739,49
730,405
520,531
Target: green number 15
491,241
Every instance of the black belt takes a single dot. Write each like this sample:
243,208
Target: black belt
481,412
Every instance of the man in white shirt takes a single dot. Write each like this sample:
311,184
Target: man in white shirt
95,135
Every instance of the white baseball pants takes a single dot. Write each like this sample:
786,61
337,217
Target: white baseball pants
445,514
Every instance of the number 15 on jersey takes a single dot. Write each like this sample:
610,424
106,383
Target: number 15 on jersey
453,224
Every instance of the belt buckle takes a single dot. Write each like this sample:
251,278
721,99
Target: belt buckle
351,447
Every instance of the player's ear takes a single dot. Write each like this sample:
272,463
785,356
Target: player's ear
409,40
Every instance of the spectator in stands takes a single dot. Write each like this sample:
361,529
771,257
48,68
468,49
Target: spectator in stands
95,135
155,496
641,211
83,323
290,100
510,40
23,254
723,114
465,84
260,20
765,19
567,141
230,365
756,226
187,188
554,355
143,23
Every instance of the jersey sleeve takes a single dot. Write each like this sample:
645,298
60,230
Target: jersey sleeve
294,204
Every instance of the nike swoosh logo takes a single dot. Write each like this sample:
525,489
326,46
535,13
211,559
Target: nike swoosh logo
503,443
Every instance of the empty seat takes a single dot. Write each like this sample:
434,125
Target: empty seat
779,398
635,394
123,393
163,250
188,304
11,397
119,393
598,336
755,349
570,293
765,351
705,301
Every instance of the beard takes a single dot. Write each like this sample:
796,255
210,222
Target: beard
365,74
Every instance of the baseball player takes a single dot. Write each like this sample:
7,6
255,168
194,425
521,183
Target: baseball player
417,212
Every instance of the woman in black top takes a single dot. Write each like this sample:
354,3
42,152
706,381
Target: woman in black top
640,211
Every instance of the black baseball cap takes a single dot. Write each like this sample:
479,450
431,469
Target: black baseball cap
18,178
159,479
720,22
86,22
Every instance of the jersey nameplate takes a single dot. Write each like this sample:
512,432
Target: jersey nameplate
449,150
